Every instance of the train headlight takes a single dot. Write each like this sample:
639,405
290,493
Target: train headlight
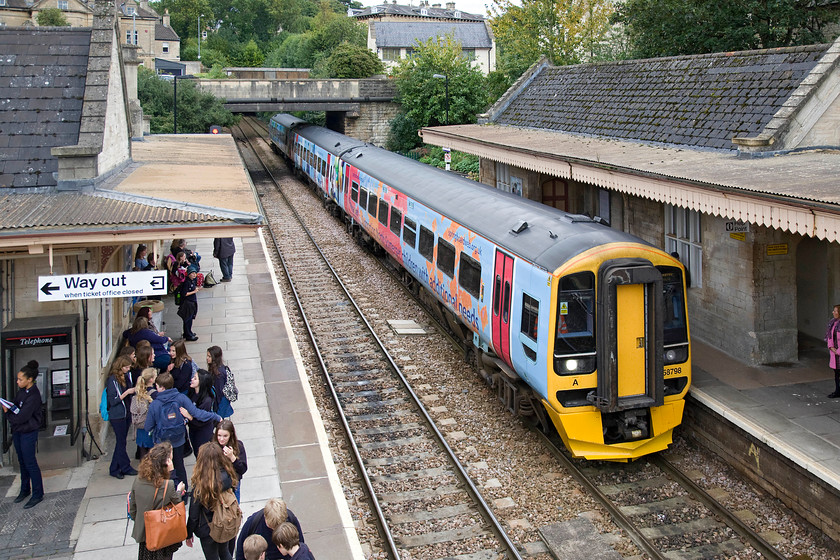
571,365
670,355
676,354
564,365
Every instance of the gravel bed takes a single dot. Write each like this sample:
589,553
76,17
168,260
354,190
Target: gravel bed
523,483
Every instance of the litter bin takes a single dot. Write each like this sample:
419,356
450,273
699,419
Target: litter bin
157,309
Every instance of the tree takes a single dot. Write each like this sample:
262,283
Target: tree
251,56
352,61
197,111
677,27
183,15
52,17
565,31
423,97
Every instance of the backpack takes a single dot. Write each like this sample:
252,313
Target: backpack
171,427
210,280
230,391
103,404
227,516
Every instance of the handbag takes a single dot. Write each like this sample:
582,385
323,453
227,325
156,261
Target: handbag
229,390
165,526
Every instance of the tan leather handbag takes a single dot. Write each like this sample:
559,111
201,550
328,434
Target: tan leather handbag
165,526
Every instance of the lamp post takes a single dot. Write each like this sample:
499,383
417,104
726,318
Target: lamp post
199,37
446,78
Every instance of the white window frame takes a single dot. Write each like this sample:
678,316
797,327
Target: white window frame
391,54
165,48
682,235
64,5
507,182
2,2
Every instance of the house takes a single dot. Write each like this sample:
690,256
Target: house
728,159
395,30
25,12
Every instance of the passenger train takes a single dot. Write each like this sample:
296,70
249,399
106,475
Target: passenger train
575,324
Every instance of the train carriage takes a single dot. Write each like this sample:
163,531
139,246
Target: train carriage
577,324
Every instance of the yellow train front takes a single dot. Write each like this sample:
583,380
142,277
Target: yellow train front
621,355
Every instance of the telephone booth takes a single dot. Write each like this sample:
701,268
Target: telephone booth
54,342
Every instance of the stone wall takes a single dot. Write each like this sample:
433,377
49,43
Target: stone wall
372,123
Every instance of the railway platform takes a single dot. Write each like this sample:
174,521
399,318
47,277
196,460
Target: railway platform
84,513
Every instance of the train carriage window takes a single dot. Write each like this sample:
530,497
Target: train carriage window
530,316
409,232
372,202
427,244
363,199
383,212
395,221
675,333
354,192
323,167
506,303
469,275
446,258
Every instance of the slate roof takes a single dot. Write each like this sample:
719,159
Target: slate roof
471,35
412,11
702,101
164,33
42,86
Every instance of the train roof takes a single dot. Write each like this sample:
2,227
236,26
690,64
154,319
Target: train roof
538,233
334,142
287,120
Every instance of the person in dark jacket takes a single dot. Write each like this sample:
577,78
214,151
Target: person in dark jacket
184,368
263,523
201,394
140,331
216,366
234,449
213,474
224,249
286,539
117,391
25,417
189,302
156,418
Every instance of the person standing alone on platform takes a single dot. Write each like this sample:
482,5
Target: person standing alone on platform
832,338
25,416
224,249
188,308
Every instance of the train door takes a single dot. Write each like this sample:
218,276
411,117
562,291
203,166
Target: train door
502,294
630,332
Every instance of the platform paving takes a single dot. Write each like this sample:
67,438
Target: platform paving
84,516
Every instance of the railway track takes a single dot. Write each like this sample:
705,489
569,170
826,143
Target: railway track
426,504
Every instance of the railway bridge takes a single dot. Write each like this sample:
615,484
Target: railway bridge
359,108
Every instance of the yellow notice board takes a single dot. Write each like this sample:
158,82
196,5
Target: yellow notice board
738,236
777,249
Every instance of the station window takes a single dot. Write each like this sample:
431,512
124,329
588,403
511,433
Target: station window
396,220
354,192
530,316
409,232
372,202
446,258
427,244
363,199
469,275
383,212
682,235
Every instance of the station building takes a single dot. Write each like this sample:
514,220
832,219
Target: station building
730,160
78,196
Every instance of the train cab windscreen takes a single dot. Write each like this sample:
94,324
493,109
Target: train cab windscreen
574,347
675,342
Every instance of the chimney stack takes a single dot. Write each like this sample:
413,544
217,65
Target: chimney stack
450,5
166,18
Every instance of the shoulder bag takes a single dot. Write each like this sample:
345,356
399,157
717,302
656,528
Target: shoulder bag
229,390
165,526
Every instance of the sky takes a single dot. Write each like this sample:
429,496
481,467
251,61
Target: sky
469,6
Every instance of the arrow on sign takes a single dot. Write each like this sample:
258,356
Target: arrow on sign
158,282
48,288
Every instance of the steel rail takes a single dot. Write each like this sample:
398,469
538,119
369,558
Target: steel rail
486,512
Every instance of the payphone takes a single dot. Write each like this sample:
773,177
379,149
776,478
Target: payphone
54,342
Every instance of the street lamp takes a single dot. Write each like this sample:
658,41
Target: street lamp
199,36
445,77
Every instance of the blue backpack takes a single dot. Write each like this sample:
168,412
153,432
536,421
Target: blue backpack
103,404
171,427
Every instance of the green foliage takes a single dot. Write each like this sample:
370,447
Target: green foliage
215,73
197,111
183,15
423,96
312,48
466,164
677,27
402,135
52,17
351,61
565,31
251,56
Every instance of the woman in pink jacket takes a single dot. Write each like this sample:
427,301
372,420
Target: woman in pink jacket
832,338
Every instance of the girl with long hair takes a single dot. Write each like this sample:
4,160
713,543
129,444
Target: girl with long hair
152,490
144,392
201,394
117,390
184,368
140,330
213,474
25,420
234,450
216,366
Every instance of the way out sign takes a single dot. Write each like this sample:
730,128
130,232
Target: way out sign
105,285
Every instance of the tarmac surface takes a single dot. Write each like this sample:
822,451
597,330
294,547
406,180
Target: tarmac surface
84,516
84,513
